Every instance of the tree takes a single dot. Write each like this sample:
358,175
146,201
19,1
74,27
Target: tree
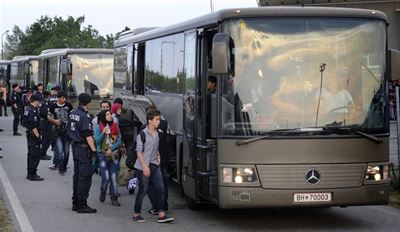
54,32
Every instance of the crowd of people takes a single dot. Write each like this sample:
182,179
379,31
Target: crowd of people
97,144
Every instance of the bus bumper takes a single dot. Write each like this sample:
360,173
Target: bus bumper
250,197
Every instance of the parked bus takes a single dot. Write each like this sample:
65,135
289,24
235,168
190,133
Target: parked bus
24,71
299,115
78,71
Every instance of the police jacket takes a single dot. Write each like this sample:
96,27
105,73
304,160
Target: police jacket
32,118
79,125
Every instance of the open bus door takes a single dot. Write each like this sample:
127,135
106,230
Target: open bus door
199,177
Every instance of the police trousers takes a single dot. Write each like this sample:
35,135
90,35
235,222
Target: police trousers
33,158
82,179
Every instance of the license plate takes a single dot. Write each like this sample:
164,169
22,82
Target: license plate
312,197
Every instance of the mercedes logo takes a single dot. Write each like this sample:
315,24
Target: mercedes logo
313,176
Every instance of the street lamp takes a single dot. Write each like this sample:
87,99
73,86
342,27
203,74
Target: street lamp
2,46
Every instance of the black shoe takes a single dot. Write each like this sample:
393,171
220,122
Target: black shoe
35,178
62,173
1,130
102,197
74,207
1,157
1,148
86,209
114,201
17,134
45,157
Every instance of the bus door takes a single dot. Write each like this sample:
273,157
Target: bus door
198,152
207,160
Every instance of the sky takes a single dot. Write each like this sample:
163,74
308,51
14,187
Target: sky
111,16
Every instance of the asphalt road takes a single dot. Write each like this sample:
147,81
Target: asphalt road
46,206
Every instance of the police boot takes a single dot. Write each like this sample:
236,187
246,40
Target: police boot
102,197
114,201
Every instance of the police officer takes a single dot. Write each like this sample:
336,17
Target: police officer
31,122
79,129
45,125
15,107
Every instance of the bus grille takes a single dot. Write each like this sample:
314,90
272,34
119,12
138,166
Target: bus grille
294,176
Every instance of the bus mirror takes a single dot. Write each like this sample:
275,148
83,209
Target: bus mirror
394,65
66,68
221,54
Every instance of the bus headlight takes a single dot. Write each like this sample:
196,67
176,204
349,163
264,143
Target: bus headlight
377,173
239,175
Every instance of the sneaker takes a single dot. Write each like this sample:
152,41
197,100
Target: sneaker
165,219
138,218
153,212
86,209
53,167
17,134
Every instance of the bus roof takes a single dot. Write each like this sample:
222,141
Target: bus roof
24,58
221,15
65,51
5,61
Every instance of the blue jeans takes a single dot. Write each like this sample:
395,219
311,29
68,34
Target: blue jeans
152,193
61,153
108,171
156,181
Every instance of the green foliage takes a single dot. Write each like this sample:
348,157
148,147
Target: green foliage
55,32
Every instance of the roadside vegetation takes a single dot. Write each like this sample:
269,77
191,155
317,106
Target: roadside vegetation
5,221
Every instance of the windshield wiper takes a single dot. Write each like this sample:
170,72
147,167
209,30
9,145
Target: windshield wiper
353,130
323,129
273,133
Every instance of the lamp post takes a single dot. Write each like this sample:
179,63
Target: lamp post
2,46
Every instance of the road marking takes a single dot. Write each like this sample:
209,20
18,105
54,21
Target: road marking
22,219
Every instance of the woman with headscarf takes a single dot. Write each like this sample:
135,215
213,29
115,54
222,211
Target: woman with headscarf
108,140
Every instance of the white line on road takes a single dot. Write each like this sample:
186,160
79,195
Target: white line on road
22,219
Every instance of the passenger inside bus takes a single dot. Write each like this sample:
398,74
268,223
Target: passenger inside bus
211,84
335,101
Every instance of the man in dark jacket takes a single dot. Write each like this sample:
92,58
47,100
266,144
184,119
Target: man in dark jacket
15,107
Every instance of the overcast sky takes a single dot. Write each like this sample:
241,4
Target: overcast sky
111,16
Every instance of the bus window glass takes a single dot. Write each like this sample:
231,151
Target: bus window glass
277,78
120,68
164,62
92,74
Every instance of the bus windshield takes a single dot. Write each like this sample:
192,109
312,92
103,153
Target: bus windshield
300,73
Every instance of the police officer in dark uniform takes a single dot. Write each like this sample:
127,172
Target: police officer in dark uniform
79,129
45,125
15,107
31,122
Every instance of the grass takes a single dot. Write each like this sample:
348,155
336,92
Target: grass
5,221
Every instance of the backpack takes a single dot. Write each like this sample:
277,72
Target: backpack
131,154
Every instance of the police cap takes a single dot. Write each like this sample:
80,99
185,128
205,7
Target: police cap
84,98
36,97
